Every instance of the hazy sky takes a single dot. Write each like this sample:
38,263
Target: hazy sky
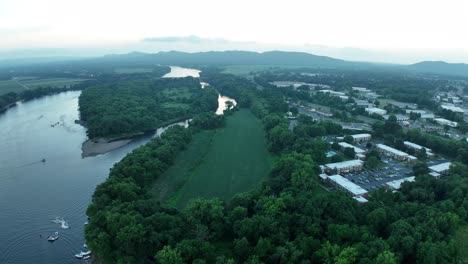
435,29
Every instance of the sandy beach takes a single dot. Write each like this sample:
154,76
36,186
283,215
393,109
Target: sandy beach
93,147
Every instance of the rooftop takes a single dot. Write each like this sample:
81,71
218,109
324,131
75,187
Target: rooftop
356,149
354,189
365,135
344,164
441,167
392,150
415,146
396,184
452,108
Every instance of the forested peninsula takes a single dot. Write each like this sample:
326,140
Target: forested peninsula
122,108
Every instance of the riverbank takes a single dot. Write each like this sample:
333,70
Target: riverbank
98,146
94,147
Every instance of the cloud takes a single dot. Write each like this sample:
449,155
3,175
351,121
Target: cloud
192,39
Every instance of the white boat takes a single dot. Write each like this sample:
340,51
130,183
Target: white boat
84,252
86,257
54,237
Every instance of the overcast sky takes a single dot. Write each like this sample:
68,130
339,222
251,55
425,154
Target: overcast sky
400,29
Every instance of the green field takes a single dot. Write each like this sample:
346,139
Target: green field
218,163
244,70
21,84
133,70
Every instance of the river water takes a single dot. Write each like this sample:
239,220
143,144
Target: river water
35,196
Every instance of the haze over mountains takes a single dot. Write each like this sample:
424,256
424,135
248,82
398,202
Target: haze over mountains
219,58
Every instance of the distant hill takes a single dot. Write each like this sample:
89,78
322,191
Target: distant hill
440,67
232,58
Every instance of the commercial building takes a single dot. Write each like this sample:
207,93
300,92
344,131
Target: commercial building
443,121
453,108
375,110
394,153
441,169
346,185
417,147
344,166
396,184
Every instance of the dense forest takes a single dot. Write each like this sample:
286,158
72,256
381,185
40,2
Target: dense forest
289,219
11,98
116,108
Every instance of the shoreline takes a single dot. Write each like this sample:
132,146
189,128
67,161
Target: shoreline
94,147
97,146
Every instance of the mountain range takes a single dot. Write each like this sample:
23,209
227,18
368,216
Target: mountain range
274,58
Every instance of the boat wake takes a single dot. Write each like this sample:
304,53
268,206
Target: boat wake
62,222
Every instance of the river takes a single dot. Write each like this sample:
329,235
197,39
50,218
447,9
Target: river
33,194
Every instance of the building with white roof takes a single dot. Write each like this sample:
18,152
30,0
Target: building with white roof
417,147
398,117
453,108
347,185
359,153
396,184
360,199
375,110
361,137
443,121
442,168
344,166
394,153
360,89
331,92
427,116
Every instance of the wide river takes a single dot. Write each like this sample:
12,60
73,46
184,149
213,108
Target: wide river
34,195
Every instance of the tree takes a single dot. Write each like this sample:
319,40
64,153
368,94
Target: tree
294,110
348,139
372,162
346,256
168,255
386,257
349,152
420,168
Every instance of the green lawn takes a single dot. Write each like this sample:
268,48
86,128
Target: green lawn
218,163
22,84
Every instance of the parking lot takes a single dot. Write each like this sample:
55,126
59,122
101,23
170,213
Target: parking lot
374,179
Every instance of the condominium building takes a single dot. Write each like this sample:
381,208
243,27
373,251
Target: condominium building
344,166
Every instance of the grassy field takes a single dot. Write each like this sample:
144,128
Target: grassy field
218,163
132,70
22,84
244,70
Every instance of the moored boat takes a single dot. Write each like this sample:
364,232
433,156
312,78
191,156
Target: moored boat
53,237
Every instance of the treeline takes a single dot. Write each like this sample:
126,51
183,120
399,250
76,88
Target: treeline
9,99
115,108
92,68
